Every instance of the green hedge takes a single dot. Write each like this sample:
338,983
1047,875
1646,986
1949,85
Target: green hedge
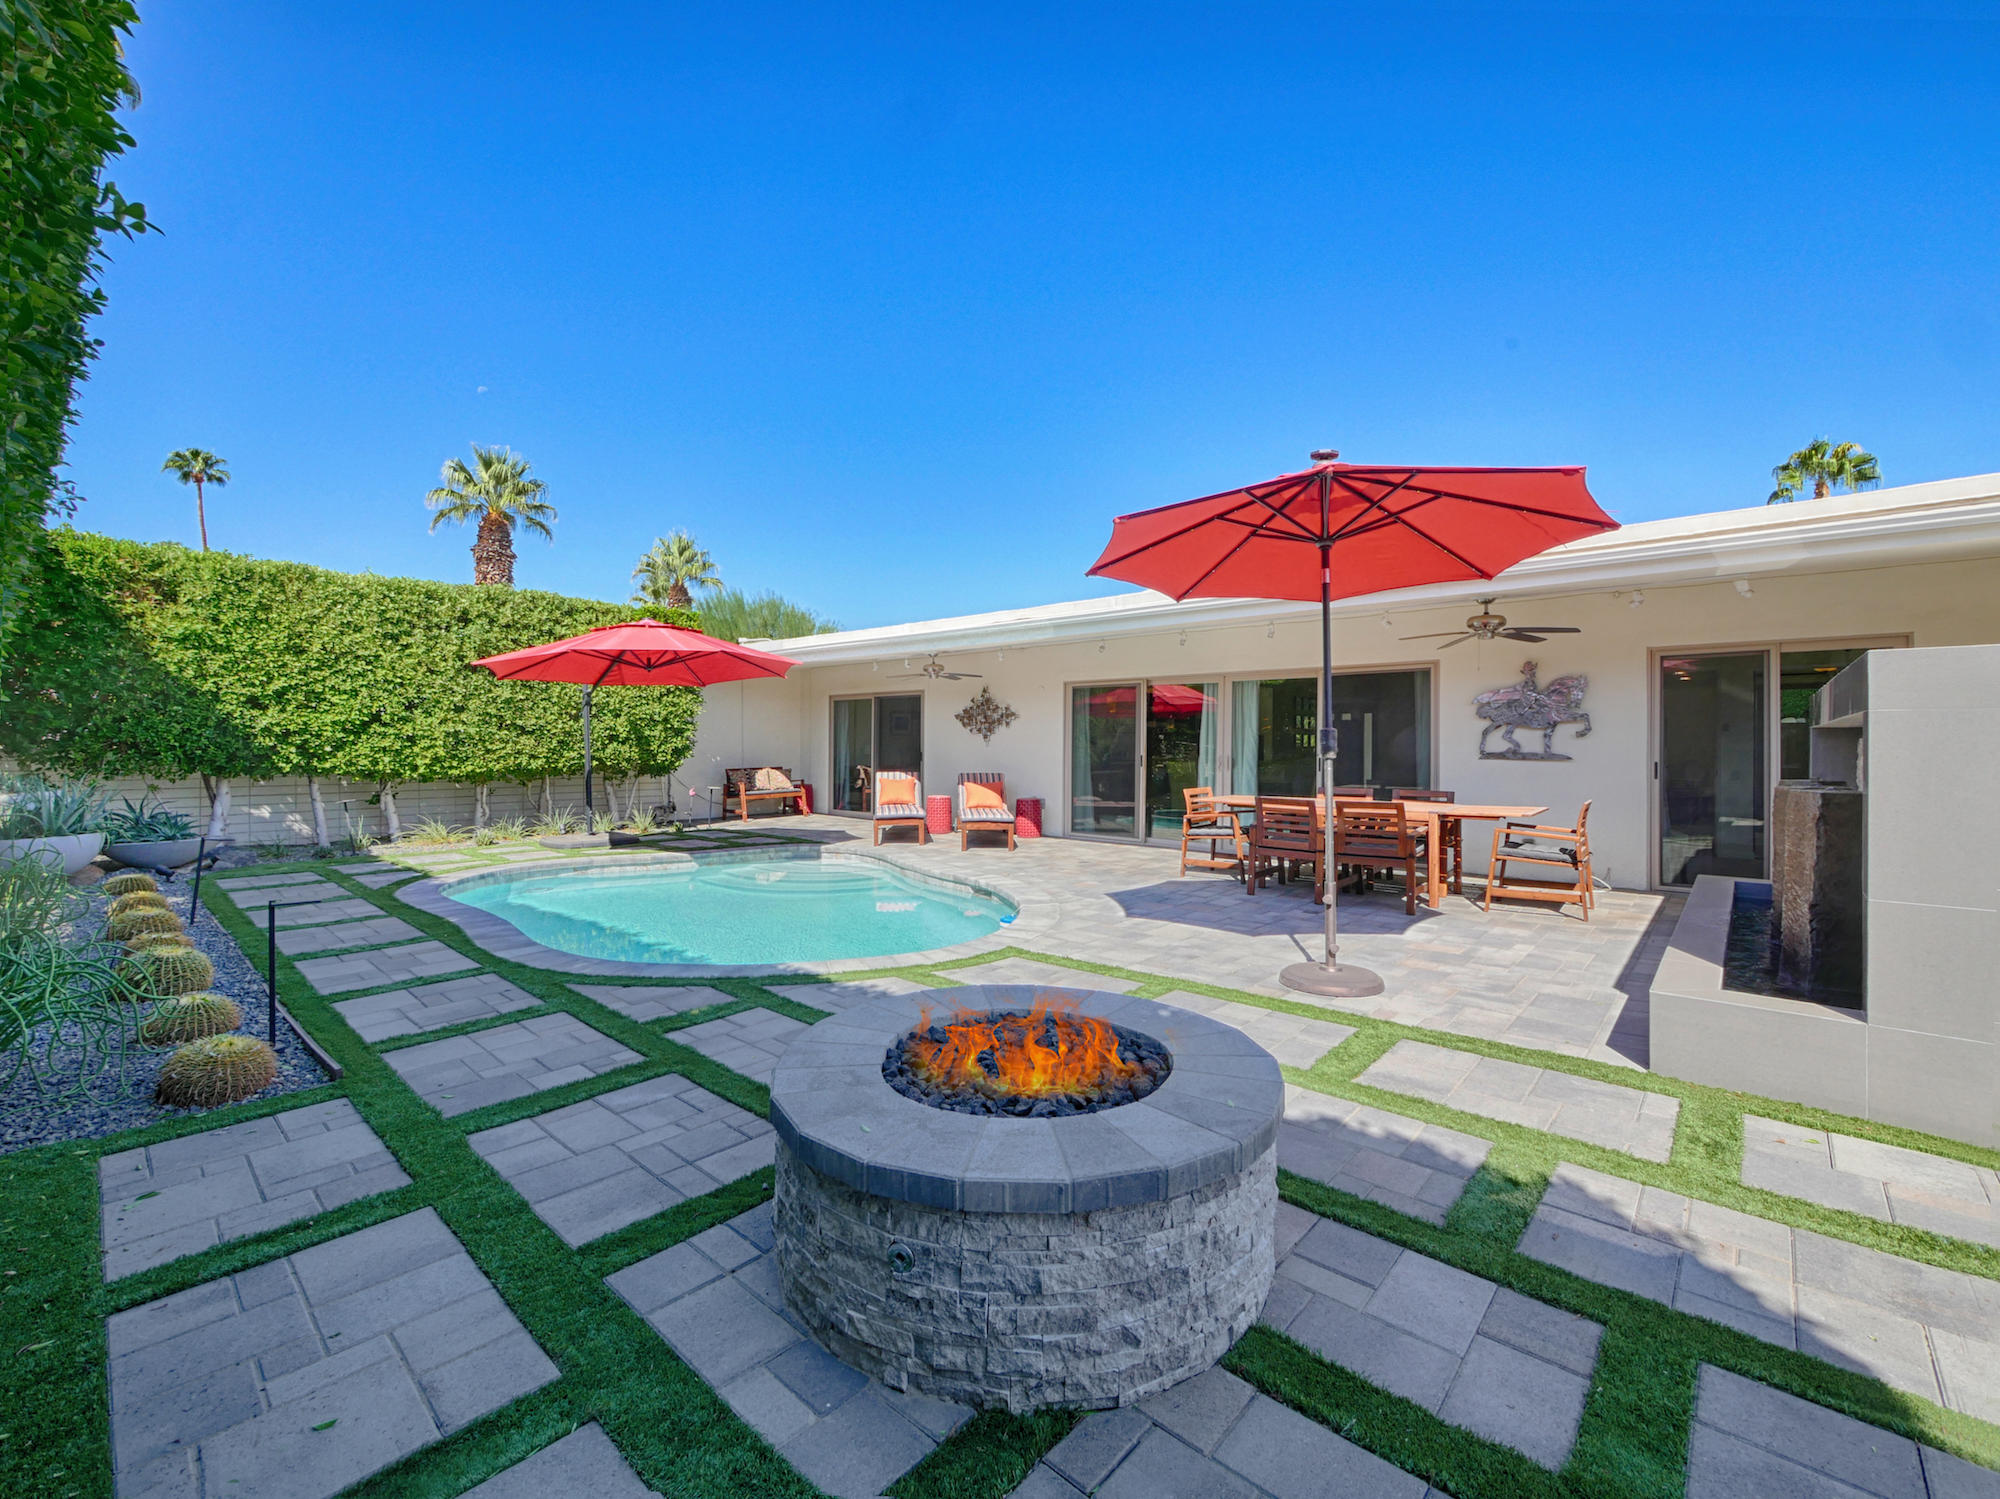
157,661
61,76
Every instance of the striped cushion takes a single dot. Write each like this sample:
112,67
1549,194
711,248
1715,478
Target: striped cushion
986,814
905,809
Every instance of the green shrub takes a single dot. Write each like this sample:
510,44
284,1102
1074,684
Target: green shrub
189,1018
216,1070
435,830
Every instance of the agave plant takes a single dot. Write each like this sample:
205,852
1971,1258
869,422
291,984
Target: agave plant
509,829
35,808
435,830
148,822
642,822
555,825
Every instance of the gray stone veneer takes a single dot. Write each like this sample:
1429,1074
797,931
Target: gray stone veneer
1027,1309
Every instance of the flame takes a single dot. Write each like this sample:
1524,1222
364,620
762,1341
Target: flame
1050,1050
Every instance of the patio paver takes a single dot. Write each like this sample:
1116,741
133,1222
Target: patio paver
350,909
253,895
583,1464
1920,1328
180,1196
1028,971
611,1160
410,963
1497,1363
1295,1040
370,933
645,1004
306,1374
749,1043
376,879
432,1007
1402,1163
463,1073
715,1299
1581,1108
1864,1176
834,998
1750,1440
1212,1435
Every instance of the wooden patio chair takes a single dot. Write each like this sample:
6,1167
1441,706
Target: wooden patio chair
899,803
1372,838
1451,832
1563,852
981,806
1283,840
1203,821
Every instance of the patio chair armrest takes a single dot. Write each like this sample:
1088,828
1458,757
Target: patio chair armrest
1538,831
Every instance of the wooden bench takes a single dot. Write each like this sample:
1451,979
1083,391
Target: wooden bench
739,784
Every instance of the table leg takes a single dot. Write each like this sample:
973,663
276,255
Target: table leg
1433,862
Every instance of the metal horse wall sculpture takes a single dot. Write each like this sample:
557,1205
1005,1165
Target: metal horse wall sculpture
1528,705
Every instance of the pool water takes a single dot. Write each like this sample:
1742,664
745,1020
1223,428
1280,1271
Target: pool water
775,911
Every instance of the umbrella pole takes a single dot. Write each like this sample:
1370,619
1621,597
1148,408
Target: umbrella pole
589,808
1329,978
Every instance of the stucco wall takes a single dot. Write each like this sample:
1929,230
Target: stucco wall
1952,603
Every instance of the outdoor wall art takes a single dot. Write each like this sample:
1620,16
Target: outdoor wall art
1527,704
985,714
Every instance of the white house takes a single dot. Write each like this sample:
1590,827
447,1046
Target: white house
1699,639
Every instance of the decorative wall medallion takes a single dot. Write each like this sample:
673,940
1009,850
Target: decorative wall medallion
984,714
1528,705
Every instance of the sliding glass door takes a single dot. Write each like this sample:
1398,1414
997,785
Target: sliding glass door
1104,760
1183,741
871,734
1384,719
1274,734
1713,769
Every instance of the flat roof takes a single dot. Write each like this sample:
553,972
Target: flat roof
1938,521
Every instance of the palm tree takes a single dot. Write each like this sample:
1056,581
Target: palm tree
666,572
1829,465
499,488
198,466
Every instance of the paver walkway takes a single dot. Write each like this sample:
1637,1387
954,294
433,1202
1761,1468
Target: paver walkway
649,1004
1406,1164
1048,975
1864,1176
1750,1441
172,1199
749,1043
432,1007
1294,1040
1930,1331
715,1299
583,1465
1581,1108
380,877
1503,1366
622,1156
254,895
371,933
230,883
304,1375
834,998
411,963
1212,1437
351,909
508,1061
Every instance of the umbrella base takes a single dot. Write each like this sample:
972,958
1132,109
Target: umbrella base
1341,981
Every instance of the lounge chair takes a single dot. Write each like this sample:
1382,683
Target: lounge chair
899,803
982,808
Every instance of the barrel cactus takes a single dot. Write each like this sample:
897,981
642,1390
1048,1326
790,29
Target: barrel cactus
139,900
127,881
128,924
158,939
163,972
189,1018
216,1070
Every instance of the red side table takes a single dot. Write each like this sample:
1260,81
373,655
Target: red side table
937,815
1028,817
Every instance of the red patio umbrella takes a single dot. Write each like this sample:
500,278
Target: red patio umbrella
641,653
1341,529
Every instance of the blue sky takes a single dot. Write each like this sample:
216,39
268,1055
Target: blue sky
896,308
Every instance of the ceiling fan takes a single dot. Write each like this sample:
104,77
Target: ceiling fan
1486,625
934,669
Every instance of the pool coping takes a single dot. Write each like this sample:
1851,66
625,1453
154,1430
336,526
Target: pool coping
1034,916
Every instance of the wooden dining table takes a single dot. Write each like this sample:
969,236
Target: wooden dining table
1435,817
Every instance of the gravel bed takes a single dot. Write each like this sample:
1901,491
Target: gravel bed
113,1104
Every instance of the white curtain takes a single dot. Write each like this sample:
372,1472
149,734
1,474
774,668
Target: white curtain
1211,734
1243,738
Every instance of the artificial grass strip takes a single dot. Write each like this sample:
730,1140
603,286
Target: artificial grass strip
986,1458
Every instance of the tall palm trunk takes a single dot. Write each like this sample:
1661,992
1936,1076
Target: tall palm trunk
493,551
678,596
201,514
1820,490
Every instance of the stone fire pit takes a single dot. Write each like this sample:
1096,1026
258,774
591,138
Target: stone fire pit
1085,1261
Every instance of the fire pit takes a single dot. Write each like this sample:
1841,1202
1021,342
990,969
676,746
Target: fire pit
1016,1197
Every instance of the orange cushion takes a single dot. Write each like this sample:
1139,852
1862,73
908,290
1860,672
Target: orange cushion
895,791
979,794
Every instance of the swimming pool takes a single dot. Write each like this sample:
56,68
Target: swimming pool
766,911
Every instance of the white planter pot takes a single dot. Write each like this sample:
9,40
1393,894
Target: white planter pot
167,853
72,852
